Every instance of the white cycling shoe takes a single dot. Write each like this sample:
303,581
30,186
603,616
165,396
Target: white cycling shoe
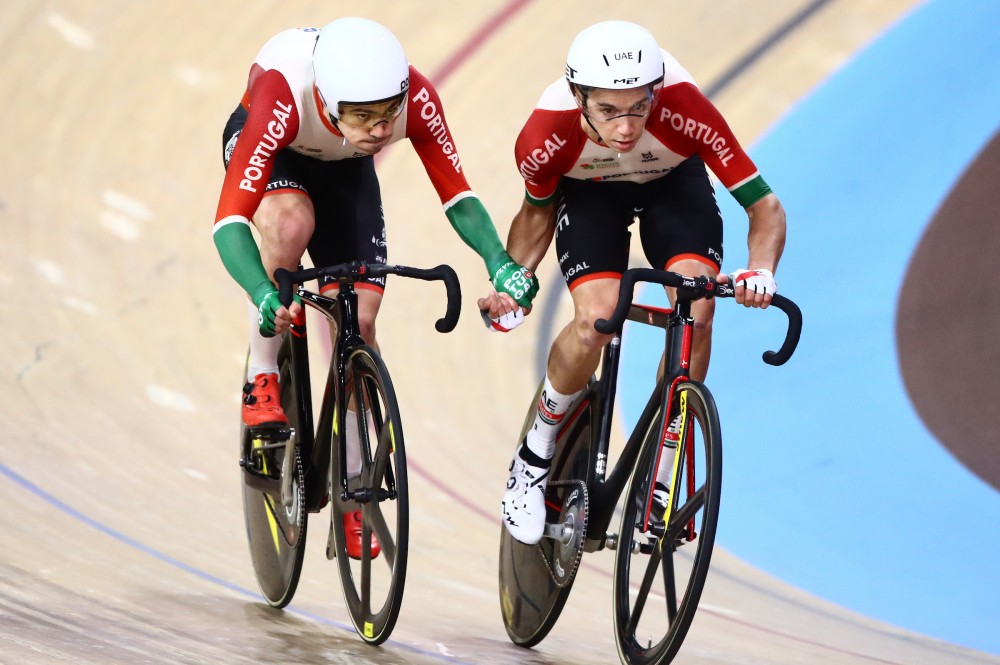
524,501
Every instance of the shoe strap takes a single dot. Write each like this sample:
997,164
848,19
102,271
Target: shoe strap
529,457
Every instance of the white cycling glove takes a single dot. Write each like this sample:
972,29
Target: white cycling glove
505,322
757,281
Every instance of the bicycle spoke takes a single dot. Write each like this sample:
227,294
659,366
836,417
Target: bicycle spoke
670,586
650,632
373,584
679,520
652,572
385,536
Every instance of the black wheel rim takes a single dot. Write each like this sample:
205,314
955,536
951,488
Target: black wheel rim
373,587
659,580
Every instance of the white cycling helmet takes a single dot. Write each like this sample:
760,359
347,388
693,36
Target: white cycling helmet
615,55
357,60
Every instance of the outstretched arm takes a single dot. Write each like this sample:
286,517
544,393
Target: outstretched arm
531,233
529,238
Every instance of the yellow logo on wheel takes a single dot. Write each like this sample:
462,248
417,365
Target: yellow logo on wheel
369,629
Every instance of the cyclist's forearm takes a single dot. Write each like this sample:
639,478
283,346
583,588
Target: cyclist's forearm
531,233
241,257
766,238
474,226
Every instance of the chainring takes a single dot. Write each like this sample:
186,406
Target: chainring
562,556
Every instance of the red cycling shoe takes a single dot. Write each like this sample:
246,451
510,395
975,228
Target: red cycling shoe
262,402
352,529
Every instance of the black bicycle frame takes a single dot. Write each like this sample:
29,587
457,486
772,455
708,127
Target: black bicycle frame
606,489
342,311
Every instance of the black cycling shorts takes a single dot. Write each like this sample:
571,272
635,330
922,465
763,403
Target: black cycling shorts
346,199
677,214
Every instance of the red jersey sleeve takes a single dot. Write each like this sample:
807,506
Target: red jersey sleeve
428,132
688,123
546,148
272,123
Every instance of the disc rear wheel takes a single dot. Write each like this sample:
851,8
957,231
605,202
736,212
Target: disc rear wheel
273,502
535,580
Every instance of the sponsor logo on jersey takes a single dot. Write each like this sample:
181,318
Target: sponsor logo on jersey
266,147
602,164
611,176
435,124
649,157
531,164
699,131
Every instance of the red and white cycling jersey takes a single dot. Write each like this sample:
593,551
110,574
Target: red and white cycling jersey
682,123
285,111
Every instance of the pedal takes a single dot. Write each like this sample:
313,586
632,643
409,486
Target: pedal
271,435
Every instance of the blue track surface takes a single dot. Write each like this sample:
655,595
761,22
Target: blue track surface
831,481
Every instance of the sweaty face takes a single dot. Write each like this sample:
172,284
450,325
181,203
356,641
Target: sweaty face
617,117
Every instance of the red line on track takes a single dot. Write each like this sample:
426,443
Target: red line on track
475,42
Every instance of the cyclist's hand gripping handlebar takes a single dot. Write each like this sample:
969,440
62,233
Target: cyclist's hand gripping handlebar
355,271
695,288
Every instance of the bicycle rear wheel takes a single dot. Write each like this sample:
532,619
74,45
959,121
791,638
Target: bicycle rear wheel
276,523
373,586
535,580
659,577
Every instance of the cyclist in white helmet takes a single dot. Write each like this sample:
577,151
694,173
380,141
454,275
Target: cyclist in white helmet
624,137
298,150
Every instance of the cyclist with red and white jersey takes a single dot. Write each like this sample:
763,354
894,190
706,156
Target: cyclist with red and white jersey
625,137
319,104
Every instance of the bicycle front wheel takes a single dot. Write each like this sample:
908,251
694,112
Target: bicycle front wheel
660,571
373,582
273,498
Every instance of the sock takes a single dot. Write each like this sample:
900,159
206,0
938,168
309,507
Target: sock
353,443
667,454
263,350
666,466
552,406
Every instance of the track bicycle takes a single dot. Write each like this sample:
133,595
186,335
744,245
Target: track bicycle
291,471
662,555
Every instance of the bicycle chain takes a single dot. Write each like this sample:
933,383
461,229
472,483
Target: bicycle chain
570,574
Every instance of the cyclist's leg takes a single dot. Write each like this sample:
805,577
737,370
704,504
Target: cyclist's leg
349,227
681,230
703,312
592,242
284,220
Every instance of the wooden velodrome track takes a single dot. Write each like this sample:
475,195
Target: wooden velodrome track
122,528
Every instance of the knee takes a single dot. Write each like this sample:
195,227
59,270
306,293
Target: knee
703,317
368,306
288,227
583,327
367,324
